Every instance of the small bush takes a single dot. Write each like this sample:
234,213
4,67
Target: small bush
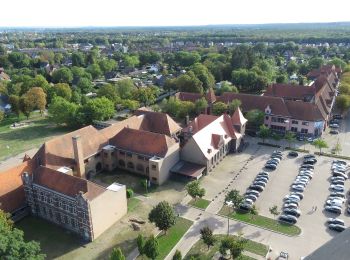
129,193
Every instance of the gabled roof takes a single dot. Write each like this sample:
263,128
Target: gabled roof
142,142
199,123
11,187
304,111
66,184
249,102
209,136
59,152
290,91
188,96
238,118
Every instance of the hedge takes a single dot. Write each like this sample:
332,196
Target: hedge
333,155
297,149
271,145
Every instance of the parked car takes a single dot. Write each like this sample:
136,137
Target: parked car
337,178
290,206
337,194
334,132
337,188
334,126
310,139
270,166
310,161
288,218
336,227
256,187
261,179
298,188
334,203
292,196
251,197
293,154
338,182
253,192
335,221
290,201
259,183
341,174
300,138
264,174
333,209
307,166
293,212
338,116
299,194
245,207
307,156
340,162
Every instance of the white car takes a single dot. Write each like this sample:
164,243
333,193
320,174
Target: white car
340,162
337,187
334,203
334,126
293,197
332,199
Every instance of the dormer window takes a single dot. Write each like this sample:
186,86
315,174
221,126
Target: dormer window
226,136
209,150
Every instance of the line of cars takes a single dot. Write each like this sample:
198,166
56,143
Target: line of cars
260,181
291,211
274,160
336,199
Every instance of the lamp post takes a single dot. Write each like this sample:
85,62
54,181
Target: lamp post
229,204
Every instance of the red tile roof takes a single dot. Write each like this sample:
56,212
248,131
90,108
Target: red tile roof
11,187
187,96
199,123
66,184
238,118
290,91
142,142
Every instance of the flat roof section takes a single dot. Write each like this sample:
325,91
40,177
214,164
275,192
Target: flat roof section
188,169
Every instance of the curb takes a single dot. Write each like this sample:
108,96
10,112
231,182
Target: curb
277,232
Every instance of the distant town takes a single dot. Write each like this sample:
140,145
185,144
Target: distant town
212,142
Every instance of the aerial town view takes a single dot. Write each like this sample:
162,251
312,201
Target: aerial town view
174,130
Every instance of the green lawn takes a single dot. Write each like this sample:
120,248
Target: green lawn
200,250
15,141
262,221
173,236
199,203
133,203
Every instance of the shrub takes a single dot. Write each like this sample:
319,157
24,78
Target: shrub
129,193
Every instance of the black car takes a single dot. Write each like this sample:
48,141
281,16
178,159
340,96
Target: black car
256,187
336,227
292,212
307,166
338,117
270,166
334,132
308,156
245,207
301,138
293,154
288,218
310,161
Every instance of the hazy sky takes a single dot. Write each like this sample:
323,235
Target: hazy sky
67,13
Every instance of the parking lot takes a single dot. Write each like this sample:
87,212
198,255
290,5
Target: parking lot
312,223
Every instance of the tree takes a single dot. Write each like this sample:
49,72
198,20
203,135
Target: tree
338,63
85,85
151,248
62,111
234,198
264,132
177,255
320,144
186,108
227,86
255,118
25,106
204,75
163,216
2,115
186,59
15,105
290,137
194,190
276,137
343,102
62,75
109,91
19,60
98,109
292,67
207,236
274,211
62,90
131,61
41,82
189,83
125,88
282,78
219,108
116,254
201,105
243,57
37,97
12,244
78,59
234,105
315,63
141,244
131,104
107,65
337,148
149,57
146,95
225,245
237,247
94,70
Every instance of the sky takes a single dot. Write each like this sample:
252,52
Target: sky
80,13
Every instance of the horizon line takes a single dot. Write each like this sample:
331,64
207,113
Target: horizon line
162,26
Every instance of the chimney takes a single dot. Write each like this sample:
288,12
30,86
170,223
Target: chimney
78,156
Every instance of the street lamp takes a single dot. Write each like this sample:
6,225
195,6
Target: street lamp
229,204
